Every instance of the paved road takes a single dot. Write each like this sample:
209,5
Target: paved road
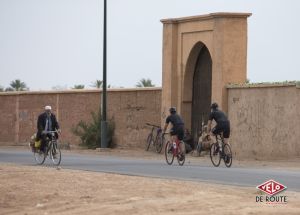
250,177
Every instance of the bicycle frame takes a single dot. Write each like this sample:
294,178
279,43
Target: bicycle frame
175,149
219,137
217,153
50,142
171,152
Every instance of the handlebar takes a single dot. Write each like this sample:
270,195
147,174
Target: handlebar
50,132
152,125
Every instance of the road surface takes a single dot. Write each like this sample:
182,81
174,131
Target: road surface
240,176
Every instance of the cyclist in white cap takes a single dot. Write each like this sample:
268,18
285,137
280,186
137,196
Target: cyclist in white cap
46,122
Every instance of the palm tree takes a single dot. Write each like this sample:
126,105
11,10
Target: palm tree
97,84
145,83
18,85
79,86
9,89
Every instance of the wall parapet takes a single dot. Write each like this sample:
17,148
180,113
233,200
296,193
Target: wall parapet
12,93
263,85
205,17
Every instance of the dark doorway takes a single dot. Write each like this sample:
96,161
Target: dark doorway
201,92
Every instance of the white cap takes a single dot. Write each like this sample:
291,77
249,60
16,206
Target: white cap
48,107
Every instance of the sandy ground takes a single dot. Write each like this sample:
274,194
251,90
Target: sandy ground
50,190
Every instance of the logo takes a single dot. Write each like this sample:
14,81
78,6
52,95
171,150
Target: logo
271,187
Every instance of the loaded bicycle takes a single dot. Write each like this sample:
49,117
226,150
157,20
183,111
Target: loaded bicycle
52,150
155,138
220,150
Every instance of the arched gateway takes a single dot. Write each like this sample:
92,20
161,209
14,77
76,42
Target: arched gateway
201,55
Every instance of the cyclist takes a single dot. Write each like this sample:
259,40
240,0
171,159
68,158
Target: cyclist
223,124
177,131
46,122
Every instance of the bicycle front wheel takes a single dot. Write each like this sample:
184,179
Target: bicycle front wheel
55,153
39,156
159,143
227,155
169,153
215,154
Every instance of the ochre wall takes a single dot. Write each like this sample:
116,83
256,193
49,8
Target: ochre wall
265,121
130,109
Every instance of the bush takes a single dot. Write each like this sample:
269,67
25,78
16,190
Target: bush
90,133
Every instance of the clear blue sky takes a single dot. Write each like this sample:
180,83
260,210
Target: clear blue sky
48,43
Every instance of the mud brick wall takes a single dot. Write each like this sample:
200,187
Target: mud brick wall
265,121
129,108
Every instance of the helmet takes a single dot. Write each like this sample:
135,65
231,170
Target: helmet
48,107
214,105
172,109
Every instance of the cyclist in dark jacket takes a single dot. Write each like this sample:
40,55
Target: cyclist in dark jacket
223,124
177,130
46,122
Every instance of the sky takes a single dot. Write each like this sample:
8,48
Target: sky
58,43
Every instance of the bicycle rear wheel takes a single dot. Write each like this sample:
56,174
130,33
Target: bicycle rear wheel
159,143
148,142
55,153
181,159
227,155
169,153
215,154
39,156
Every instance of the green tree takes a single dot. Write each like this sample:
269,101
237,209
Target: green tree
17,85
97,84
1,89
145,83
79,86
89,132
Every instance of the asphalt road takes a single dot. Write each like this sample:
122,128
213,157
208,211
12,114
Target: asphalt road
250,177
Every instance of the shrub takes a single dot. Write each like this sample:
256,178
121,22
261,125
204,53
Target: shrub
90,134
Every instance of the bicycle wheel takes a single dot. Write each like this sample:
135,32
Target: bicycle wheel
227,155
149,140
159,143
39,156
181,159
55,153
169,153
215,155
